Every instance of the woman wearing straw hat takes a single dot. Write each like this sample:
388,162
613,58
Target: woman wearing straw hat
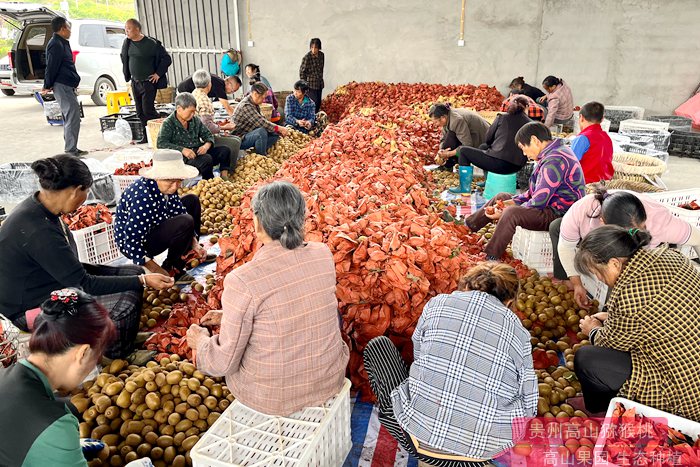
152,218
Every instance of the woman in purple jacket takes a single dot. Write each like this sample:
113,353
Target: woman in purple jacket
556,183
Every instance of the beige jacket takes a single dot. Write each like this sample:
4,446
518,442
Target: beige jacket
469,126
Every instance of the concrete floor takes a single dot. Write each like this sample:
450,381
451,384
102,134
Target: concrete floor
27,136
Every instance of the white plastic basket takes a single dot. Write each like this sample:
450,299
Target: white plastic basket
683,425
123,181
313,437
643,125
673,199
96,244
597,289
534,249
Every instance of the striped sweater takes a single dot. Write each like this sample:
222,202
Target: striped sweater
556,182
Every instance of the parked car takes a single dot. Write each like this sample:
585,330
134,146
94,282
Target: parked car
6,77
96,46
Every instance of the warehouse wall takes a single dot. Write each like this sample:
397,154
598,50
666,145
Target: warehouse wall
624,52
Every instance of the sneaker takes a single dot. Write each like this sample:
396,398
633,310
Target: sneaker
78,153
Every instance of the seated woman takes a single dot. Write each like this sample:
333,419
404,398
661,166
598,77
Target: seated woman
70,335
559,102
555,184
280,347
623,208
499,153
184,132
646,345
299,110
38,254
470,351
253,72
152,218
205,111
520,86
534,110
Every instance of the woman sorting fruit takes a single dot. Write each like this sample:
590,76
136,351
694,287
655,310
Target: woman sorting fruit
151,218
280,347
299,110
38,255
471,379
646,344
623,208
70,335
499,153
556,184
460,127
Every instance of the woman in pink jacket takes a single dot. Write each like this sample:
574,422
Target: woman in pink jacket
559,101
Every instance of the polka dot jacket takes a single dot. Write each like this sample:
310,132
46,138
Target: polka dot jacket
141,208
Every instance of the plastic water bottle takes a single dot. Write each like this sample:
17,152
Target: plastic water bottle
477,201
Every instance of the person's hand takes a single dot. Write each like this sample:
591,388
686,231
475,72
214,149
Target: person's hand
589,323
188,153
45,91
196,334
601,316
542,99
581,297
229,126
152,266
212,318
202,150
284,131
154,78
158,281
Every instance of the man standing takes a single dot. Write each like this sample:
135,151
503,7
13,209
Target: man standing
145,63
62,78
220,89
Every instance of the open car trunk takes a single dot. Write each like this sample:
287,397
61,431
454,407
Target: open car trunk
29,52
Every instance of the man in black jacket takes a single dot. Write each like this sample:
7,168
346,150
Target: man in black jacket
62,78
145,63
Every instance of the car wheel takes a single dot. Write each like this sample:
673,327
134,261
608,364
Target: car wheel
8,92
102,87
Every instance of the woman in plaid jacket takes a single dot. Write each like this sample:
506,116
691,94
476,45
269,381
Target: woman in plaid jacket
647,342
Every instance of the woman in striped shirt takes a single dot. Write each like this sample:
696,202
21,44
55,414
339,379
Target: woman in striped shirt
556,183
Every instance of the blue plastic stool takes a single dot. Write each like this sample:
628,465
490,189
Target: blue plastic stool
496,184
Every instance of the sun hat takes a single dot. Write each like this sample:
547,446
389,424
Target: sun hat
168,165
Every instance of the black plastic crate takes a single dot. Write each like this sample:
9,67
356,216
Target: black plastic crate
685,144
109,122
675,122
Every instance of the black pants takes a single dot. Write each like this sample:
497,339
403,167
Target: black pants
176,234
554,230
602,372
205,163
315,95
478,157
145,100
386,370
450,142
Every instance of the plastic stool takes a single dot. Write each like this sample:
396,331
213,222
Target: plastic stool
496,183
115,99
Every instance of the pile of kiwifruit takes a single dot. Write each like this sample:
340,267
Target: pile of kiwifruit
157,411
158,305
216,196
253,168
554,389
287,146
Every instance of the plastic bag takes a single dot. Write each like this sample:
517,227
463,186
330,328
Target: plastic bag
121,135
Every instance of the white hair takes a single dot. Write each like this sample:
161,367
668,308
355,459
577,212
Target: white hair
201,79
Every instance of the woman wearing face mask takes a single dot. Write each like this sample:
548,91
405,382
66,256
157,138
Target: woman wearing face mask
70,335
623,208
646,344
38,254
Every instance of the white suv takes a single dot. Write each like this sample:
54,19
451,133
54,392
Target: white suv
96,46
